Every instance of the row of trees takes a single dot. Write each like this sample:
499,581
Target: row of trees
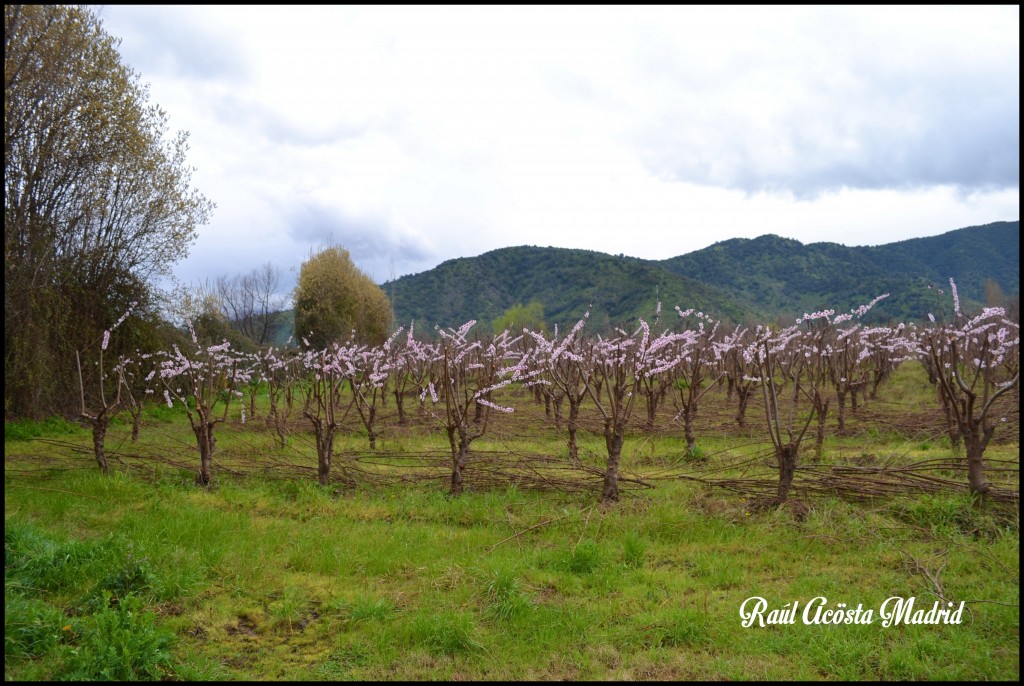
97,200
799,372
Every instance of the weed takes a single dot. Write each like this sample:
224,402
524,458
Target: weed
417,589
682,627
288,610
132,577
945,515
448,633
31,627
198,667
634,550
364,609
340,664
121,643
505,599
583,558
43,564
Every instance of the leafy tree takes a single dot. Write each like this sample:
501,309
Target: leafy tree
334,299
96,200
518,317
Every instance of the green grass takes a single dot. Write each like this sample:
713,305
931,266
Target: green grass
25,429
141,575
648,589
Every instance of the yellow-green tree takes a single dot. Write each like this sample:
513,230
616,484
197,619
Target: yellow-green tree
518,317
334,299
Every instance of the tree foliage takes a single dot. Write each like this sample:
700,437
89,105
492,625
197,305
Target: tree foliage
519,317
334,299
97,200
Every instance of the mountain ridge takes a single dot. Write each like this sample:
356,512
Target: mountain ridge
740,280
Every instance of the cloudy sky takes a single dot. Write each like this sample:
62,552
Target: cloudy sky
413,135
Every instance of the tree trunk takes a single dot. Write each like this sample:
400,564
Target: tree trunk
744,393
691,440
574,412
559,397
370,428
400,404
99,433
878,378
460,456
819,443
975,440
786,456
841,417
613,442
324,451
275,421
206,442
652,408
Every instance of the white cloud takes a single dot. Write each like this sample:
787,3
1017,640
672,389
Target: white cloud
421,134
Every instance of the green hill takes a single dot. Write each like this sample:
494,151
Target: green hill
783,276
567,282
738,280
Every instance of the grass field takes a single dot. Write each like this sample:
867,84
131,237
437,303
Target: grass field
269,576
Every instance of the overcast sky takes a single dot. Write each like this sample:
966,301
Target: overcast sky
412,135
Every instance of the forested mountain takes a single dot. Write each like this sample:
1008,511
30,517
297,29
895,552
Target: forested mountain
740,280
567,282
783,276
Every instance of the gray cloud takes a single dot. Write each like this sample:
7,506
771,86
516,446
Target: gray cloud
813,121
374,244
165,41
276,127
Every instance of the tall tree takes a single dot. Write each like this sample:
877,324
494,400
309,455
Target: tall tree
96,199
252,303
334,299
